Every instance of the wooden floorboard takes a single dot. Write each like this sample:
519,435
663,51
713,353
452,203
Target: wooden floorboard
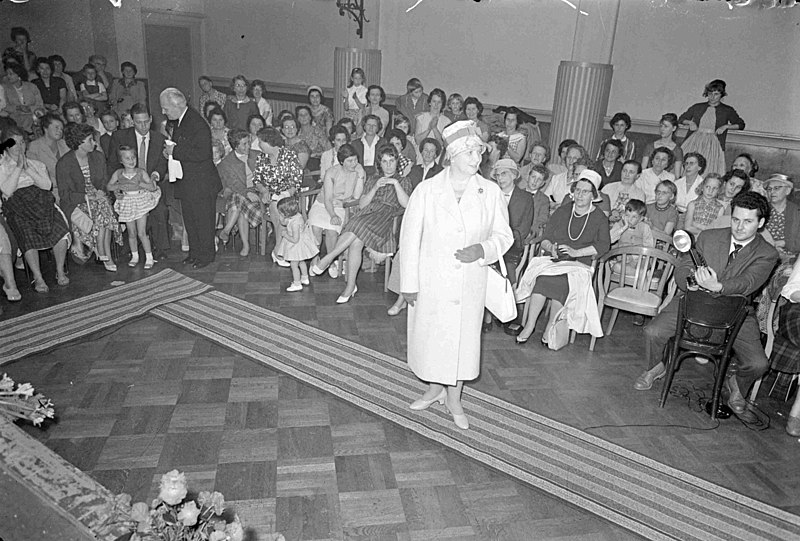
148,397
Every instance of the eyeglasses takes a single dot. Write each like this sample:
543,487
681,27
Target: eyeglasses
776,188
582,192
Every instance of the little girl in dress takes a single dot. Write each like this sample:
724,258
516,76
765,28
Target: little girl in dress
702,212
137,194
297,243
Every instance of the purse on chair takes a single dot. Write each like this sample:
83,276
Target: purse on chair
500,299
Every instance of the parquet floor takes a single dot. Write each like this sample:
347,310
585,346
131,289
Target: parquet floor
148,397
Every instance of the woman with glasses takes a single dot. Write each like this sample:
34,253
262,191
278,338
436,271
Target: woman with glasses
576,232
784,221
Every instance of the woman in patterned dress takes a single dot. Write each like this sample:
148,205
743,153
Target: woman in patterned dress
241,198
279,171
323,117
314,136
32,214
82,177
385,196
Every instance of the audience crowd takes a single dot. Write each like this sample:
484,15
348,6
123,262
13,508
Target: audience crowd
87,164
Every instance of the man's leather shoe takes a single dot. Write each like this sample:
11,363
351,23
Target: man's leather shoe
648,377
189,261
736,401
200,264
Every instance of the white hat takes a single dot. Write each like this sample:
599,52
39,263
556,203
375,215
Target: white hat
462,136
592,176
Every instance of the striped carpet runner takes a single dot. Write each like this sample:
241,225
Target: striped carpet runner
649,498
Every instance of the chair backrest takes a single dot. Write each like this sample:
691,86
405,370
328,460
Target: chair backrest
710,322
645,269
307,199
663,241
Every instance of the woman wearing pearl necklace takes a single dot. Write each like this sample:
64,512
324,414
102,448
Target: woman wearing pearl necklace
576,232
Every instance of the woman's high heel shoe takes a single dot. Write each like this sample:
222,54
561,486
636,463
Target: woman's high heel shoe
342,299
521,340
459,419
394,310
421,404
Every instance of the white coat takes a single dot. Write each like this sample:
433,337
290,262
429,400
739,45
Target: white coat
444,325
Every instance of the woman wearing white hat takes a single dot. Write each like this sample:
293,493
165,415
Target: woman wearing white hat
576,232
455,225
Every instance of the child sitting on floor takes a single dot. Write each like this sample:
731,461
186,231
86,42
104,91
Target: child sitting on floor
297,244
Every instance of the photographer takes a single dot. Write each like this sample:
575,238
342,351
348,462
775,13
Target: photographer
739,263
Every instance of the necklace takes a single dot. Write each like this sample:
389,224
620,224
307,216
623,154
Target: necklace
573,214
662,209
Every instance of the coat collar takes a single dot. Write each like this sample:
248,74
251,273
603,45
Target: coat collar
473,195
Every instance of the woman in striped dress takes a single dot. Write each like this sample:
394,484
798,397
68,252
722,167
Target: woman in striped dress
385,196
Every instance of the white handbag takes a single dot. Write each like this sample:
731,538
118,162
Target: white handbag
81,220
500,299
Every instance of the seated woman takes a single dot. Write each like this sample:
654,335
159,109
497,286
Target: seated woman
254,125
338,137
558,165
620,125
31,212
786,353
432,122
52,89
666,130
516,139
321,115
375,98
662,214
385,196
49,148
576,232
688,186
258,89
734,182
218,121
240,106
7,252
349,125
747,164
784,220
411,150
660,166
279,171
314,137
82,181
23,100
59,65
398,139
473,109
431,149
609,167
619,193
341,184
127,91
560,184
291,135
241,199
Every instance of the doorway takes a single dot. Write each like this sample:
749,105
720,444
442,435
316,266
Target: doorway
172,53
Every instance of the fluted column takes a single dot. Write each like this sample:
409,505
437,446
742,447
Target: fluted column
580,103
344,60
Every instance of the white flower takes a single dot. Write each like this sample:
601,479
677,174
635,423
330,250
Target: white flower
173,487
26,389
189,513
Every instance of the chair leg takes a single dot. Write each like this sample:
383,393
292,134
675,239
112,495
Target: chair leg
614,314
789,388
671,364
756,387
387,271
262,245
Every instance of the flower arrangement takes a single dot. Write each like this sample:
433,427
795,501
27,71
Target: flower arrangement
22,403
171,517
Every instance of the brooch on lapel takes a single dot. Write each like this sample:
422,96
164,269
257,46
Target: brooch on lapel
480,190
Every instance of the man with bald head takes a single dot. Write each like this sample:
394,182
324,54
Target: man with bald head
200,184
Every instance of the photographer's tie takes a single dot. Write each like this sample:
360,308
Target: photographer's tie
734,253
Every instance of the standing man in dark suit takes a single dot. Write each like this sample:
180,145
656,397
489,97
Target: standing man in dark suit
198,187
149,147
739,261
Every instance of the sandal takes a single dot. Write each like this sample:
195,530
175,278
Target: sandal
40,286
62,280
13,295
78,258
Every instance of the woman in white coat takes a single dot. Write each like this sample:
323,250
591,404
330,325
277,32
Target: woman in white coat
455,224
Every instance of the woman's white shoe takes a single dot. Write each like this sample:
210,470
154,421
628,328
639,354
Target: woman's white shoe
342,299
423,404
